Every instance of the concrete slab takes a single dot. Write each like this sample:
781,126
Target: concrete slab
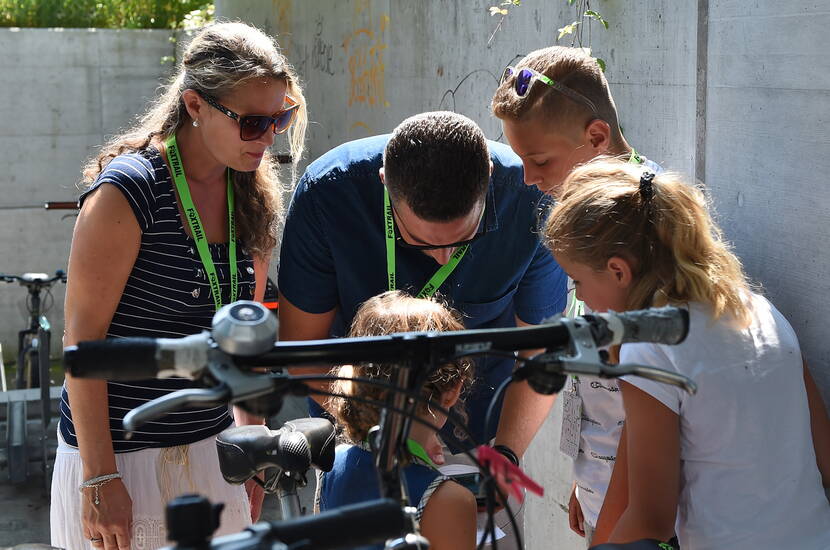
129,85
61,102
27,183
52,48
134,47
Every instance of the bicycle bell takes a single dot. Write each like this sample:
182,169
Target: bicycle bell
244,328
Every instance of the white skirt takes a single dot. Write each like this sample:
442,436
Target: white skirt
152,478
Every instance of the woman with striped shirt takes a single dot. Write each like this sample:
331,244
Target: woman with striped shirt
178,219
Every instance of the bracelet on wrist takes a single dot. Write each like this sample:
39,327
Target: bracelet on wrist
97,482
507,453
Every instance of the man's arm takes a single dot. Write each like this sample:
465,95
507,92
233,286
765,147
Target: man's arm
296,324
523,412
542,292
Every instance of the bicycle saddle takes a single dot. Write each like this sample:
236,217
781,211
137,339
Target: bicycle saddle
645,544
34,277
297,446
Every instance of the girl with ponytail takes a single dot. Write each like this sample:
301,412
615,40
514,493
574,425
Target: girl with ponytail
736,465
178,218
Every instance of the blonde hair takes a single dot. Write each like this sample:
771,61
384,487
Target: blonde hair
573,68
676,251
218,59
388,313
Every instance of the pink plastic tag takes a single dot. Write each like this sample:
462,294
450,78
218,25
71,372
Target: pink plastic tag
507,474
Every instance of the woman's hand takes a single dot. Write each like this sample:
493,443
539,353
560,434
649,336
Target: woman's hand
575,517
107,524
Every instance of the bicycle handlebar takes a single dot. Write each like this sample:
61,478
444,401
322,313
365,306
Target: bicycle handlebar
37,280
138,358
61,205
199,356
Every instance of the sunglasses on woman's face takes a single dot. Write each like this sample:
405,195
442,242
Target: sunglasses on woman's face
252,127
525,78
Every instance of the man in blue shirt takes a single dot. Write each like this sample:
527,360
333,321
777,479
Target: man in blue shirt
433,207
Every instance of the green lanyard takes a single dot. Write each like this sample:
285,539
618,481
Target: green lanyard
635,157
196,229
437,279
416,450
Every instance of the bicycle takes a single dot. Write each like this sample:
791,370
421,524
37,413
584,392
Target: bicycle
222,361
32,371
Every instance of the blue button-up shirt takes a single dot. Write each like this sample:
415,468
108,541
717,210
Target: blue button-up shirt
333,254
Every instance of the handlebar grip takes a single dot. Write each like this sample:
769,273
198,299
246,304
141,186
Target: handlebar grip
361,524
61,205
665,325
113,359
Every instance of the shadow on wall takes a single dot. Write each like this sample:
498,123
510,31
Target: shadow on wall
467,99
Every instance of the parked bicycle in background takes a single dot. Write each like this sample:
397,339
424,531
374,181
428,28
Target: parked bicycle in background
31,372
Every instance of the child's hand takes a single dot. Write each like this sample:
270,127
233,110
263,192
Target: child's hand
575,517
435,450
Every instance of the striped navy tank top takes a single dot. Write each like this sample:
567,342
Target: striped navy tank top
167,295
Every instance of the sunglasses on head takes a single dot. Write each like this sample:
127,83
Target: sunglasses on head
252,127
525,78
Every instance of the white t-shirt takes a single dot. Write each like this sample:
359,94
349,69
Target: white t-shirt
602,421
749,478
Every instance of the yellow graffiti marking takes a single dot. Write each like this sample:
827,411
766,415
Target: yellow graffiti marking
360,124
283,9
364,48
361,6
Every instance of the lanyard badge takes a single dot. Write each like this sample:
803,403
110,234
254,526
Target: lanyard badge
437,279
196,229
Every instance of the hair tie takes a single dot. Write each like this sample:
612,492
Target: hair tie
647,185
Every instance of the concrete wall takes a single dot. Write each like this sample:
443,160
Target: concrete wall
733,92
62,92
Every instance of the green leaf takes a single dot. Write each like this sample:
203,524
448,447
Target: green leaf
567,29
571,2
495,10
594,15
601,63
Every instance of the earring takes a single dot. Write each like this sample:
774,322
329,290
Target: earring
195,123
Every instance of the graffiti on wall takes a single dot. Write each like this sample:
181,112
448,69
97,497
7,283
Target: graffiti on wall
321,49
282,11
364,49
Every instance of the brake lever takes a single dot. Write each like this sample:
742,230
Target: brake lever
651,373
546,372
173,402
